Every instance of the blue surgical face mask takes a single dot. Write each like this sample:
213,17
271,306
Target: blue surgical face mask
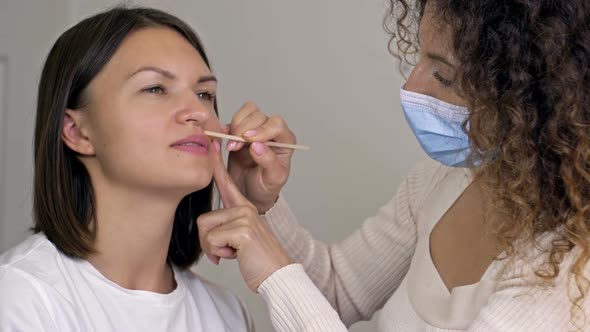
438,126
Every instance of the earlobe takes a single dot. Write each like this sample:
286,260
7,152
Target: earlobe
74,136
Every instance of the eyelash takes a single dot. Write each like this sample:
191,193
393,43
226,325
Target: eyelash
157,89
152,88
208,96
441,79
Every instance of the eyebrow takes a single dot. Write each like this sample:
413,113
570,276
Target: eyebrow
440,58
170,75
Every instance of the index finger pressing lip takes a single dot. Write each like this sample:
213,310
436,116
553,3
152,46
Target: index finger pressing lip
230,194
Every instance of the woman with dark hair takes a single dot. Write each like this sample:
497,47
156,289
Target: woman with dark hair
494,234
122,170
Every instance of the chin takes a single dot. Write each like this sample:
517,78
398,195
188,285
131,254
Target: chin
187,190
195,183
183,182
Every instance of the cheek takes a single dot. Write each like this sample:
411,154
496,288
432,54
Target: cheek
421,81
122,137
104,134
213,124
452,98
141,140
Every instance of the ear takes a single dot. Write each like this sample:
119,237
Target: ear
74,135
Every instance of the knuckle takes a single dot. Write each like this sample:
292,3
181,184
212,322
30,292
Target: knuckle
243,210
260,117
233,126
278,121
250,105
251,211
201,220
208,239
246,234
247,212
237,116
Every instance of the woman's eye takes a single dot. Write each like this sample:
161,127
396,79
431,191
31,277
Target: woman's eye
442,80
206,96
154,89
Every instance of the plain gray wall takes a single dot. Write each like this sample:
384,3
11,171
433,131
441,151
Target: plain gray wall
322,65
28,28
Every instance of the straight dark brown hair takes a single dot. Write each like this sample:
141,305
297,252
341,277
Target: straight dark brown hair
64,202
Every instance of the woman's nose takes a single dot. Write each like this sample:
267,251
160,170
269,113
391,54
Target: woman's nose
195,110
417,81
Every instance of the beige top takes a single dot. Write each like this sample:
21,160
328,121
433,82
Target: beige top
386,264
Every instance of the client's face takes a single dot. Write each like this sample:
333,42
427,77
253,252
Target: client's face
146,113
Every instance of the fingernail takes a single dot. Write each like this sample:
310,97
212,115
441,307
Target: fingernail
231,145
217,146
258,148
250,133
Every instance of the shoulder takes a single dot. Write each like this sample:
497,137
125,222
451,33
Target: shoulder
35,267
23,305
521,296
23,250
426,175
35,257
15,284
422,179
530,258
228,304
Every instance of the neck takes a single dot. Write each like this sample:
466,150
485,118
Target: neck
132,239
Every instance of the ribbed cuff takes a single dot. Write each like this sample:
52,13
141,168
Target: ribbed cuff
295,304
281,220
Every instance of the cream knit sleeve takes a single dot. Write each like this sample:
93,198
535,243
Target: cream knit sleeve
359,274
295,304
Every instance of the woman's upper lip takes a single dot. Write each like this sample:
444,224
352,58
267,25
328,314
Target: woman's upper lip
198,139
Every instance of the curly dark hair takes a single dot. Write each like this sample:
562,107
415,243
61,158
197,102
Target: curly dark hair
524,72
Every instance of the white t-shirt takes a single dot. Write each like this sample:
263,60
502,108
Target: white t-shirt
41,289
